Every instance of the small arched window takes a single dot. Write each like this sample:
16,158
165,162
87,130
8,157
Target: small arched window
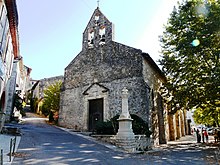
102,35
91,38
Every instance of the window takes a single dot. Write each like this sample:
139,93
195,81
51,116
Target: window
91,38
96,17
102,35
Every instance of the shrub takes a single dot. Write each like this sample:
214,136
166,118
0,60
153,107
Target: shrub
139,126
104,128
51,119
45,110
34,104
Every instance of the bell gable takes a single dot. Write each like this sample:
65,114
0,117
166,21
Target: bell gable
99,31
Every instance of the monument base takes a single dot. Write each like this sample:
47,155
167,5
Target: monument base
125,138
127,144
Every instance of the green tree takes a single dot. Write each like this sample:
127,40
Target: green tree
191,49
32,98
206,116
52,99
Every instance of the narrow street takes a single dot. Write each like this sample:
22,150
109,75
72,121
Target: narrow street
43,144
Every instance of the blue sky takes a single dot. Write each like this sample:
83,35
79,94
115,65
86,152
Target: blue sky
50,31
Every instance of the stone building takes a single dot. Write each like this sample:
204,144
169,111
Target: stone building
38,86
9,57
44,83
94,79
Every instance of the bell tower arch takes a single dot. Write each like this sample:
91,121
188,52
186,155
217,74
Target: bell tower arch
99,31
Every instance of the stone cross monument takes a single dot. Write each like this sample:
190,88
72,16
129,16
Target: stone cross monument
125,136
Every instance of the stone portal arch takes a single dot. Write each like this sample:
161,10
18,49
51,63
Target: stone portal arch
95,105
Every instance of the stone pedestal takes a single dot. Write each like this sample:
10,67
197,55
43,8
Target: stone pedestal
125,137
125,128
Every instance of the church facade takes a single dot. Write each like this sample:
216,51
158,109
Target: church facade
94,79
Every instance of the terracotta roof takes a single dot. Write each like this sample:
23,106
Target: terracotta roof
13,25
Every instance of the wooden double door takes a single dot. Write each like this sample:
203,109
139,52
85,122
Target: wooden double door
95,113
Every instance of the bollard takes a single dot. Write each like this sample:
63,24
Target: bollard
14,143
12,148
10,151
1,156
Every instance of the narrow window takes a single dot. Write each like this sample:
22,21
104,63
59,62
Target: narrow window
97,17
102,35
91,38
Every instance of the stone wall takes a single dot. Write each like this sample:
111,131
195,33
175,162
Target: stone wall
76,104
10,93
154,80
141,143
106,63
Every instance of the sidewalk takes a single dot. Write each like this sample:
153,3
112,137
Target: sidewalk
184,140
5,145
189,139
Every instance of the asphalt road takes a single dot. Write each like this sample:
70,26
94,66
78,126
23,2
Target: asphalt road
43,144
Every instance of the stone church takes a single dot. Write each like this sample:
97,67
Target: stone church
94,79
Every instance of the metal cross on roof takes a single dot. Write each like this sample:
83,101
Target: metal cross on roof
97,3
